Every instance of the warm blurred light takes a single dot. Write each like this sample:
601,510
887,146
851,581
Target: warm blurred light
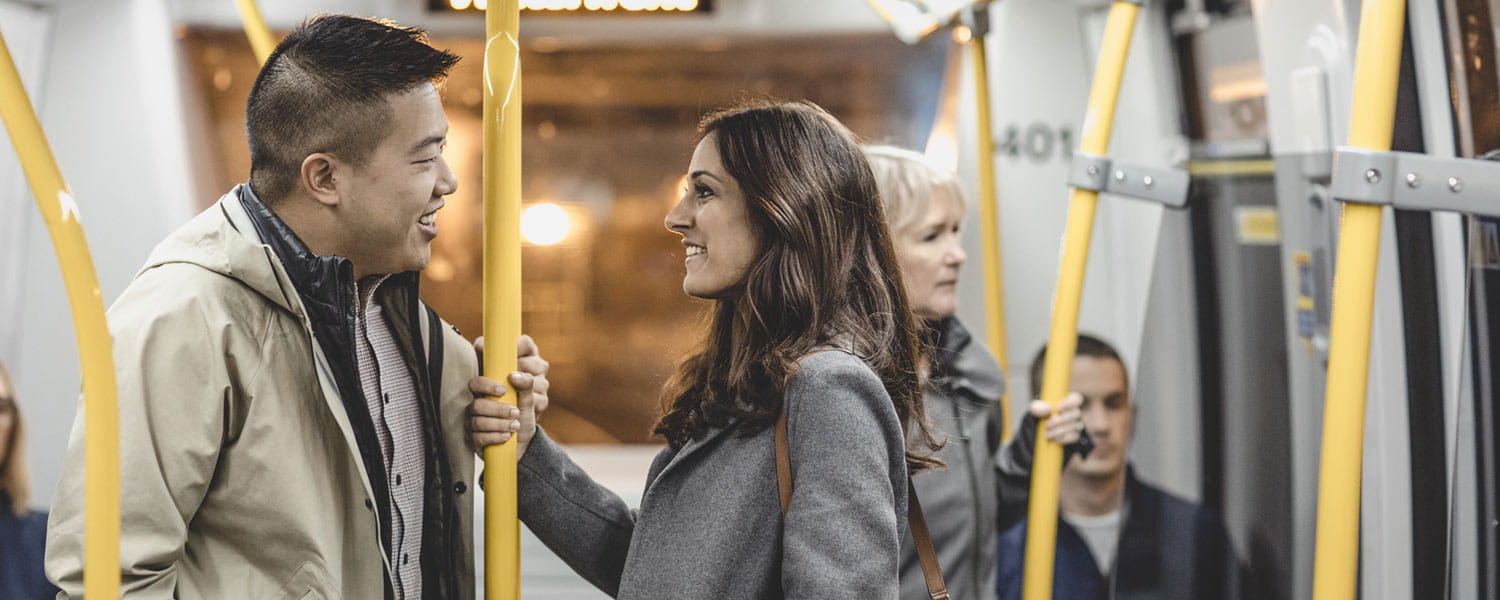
544,224
481,4
1239,81
962,34
460,4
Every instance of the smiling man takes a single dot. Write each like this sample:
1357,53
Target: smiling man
291,413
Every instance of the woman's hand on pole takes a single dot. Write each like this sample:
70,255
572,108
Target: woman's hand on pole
492,422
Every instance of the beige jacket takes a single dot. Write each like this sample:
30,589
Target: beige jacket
241,477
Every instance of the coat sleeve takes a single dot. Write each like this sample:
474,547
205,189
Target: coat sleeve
174,381
584,523
842,533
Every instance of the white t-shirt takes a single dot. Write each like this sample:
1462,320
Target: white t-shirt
1101,534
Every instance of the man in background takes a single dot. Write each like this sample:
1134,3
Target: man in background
1119,537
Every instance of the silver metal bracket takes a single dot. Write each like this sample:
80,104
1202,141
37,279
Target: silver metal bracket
1100,174
1414,181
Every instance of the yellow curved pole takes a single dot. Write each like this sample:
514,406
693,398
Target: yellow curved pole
1377,66
989,225
1046,468
261,40
502,283
101,566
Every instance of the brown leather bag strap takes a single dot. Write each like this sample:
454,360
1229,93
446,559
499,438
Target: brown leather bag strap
783,463
931,570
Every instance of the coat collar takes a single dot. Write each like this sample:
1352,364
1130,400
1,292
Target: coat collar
962,365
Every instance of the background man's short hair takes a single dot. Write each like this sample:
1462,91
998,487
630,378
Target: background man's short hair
326,88
909,183
1088,345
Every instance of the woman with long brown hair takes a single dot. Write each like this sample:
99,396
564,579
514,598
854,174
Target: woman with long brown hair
784,231
22,530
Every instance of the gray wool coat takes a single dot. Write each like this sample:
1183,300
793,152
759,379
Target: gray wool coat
710,523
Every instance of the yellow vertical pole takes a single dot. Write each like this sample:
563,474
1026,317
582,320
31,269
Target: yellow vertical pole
261,41
989,224
1046,468
101,566
1377,67
502,283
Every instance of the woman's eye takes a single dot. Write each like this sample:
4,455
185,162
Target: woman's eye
702,192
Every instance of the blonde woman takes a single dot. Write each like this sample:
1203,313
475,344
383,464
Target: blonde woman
984,487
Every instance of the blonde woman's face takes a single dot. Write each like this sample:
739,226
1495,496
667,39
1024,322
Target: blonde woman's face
931,256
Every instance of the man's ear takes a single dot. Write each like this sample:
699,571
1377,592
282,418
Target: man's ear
319,177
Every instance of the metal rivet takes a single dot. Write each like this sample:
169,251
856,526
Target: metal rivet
1093,171
1455,185
1119,176
1413,180
1148,181
1372,176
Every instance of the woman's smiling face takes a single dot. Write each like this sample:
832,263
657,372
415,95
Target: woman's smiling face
714,223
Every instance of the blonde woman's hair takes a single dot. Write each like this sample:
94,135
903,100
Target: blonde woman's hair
13,478
909,183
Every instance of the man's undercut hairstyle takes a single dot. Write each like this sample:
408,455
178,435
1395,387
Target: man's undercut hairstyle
326,88
1089,346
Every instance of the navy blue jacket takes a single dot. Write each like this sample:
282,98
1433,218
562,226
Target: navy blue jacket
22,540
1170,549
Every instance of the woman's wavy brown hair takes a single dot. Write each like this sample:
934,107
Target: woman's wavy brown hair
825,275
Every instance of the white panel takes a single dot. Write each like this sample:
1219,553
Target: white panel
25,29
113,117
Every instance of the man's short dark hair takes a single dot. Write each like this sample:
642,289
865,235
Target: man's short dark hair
1088,345
325,89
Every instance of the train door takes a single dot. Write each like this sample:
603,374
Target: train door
1242,346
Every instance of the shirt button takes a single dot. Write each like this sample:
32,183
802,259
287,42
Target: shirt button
459,487
405,558
398,479
387,397
368,504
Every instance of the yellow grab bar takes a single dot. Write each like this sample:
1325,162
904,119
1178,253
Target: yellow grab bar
1377,67
989,225
1046,468
261,40
502,283
101,566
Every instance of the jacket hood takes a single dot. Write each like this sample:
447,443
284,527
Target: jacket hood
223,239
